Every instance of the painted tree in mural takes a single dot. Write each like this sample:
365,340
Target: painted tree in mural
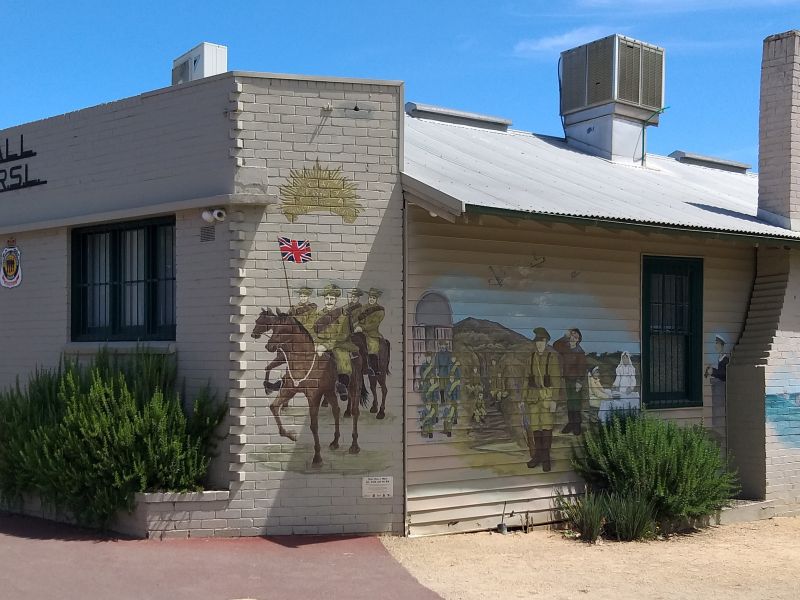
319,189
481,345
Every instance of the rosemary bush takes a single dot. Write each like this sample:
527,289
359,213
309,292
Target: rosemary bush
87,438
679,470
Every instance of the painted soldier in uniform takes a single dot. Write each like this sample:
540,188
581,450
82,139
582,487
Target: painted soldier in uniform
473,387
332,334
497,383
429,414
573,369
442,365
479,409
354,308
369,322
304,311
541,392
451,396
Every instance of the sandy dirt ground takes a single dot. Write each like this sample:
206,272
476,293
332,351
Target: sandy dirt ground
731,562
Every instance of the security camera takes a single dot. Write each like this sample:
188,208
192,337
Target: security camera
213,215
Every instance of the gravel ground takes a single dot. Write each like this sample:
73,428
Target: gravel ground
731,562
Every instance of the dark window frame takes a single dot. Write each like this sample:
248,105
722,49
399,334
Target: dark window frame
692,368
116,330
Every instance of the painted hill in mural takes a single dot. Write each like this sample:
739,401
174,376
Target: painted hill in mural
478,341
488,337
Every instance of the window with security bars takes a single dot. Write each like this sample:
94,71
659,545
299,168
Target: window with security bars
123,281
672,324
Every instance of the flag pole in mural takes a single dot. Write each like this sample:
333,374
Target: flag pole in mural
296,251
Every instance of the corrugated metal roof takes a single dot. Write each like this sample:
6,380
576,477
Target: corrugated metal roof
521,171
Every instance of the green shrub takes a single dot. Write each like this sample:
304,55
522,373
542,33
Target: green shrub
629,518
584,514
678,469
86,439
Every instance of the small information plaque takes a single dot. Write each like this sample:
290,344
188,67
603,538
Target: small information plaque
377,487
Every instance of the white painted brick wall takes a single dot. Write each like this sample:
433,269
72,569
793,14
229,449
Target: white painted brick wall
35,315
779,127
169,145
291,130
202,307
766,363
202,140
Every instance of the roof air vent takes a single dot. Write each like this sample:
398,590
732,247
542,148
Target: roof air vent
711,162
459,117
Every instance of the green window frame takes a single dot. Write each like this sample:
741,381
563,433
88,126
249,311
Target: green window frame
123,281
672,332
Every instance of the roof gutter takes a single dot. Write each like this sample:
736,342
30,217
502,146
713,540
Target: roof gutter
620,224
434,201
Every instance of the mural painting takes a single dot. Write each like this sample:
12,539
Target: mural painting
319,189
513,392
327,352
717,374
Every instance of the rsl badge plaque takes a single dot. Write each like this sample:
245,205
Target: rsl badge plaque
11,273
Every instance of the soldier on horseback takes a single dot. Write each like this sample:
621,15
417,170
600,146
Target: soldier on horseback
305,312
369,320
331,333
354,308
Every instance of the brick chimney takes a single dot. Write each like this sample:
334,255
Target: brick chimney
779,131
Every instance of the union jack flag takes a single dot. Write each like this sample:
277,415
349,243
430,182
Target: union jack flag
296,251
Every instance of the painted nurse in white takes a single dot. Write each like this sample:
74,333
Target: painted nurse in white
625,388
625,383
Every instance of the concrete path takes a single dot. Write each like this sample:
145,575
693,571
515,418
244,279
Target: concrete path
43,560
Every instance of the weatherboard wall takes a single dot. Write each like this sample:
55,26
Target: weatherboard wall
499,279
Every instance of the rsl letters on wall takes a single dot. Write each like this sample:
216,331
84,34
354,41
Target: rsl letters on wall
15,170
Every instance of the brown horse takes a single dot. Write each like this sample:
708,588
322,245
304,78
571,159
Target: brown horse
309,373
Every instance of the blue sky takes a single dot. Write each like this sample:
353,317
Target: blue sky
497,57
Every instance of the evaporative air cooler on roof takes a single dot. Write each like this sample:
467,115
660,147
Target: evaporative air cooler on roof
612,69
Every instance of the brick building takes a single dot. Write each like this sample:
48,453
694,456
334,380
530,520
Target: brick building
446,252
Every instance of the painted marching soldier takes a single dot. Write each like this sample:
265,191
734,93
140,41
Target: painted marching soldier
479,408
369,322
497,384
304,311
429,414
573,369
332,334
473,387
442,365
541,392
452,394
